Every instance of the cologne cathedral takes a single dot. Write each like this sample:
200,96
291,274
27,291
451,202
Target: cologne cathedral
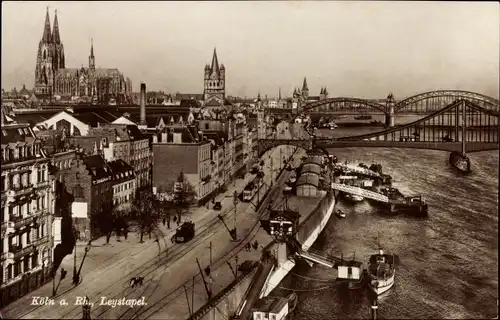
53,81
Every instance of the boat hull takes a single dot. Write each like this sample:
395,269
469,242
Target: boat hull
379,286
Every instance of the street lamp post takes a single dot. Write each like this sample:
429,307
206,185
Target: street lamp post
235,202
74,254
76,277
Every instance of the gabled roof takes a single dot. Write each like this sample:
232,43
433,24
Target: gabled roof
121,170
213,103
190,103
189,134
92,118
17,133
33,118
217,136
97,167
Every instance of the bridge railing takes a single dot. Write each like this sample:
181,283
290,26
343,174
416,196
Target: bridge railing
445,125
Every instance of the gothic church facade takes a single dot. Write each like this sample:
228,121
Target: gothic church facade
54,81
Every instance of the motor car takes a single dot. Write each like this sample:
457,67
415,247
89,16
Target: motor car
217,206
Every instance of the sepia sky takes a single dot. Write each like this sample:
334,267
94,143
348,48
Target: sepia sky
359,49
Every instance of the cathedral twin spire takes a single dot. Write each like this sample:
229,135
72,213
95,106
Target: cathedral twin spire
51,36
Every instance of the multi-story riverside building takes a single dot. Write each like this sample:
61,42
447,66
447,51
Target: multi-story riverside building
181,149
123,183
27,208
120,142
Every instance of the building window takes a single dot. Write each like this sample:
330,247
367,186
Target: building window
9,271
26,262
34,259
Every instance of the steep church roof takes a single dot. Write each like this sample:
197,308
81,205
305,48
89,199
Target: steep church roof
105,72
215,64
47,37
304,85
55,32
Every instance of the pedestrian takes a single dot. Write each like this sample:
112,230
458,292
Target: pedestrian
164,220
256,245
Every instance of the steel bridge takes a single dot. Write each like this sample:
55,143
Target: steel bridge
422,103
462,126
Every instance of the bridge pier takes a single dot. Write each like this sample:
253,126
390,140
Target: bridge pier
390,116
459,159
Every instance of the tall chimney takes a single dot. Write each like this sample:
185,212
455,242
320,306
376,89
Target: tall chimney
143,104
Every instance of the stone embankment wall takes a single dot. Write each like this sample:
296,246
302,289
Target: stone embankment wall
229,300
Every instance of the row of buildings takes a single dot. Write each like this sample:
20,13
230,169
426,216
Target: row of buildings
79,164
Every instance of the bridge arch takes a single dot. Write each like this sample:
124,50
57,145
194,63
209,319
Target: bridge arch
432,101
450,129
343,105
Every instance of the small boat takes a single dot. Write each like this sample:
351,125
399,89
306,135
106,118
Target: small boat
381,272
340,214
292,302
350,272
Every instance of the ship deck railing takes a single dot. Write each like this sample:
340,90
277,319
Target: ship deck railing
357,169
360,192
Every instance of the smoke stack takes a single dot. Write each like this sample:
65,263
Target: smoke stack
143,104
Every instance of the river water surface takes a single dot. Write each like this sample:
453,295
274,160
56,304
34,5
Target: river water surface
448,263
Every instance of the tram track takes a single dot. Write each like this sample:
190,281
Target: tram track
151,269
123,262
174,294
150,266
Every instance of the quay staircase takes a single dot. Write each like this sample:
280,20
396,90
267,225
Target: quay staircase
360,192
313,255
319,257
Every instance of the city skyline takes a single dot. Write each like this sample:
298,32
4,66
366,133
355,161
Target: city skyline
266,45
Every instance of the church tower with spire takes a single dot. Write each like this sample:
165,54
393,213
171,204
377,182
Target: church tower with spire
58,61
305,89
91,57
50,58
215,81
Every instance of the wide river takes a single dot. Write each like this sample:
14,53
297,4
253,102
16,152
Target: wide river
448,263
